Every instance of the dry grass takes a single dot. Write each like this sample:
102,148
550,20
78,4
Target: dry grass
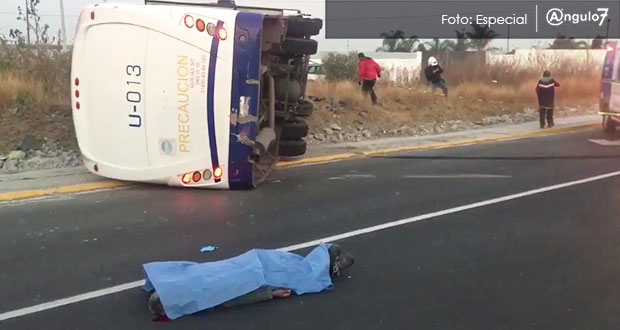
34,84
468,101
17,90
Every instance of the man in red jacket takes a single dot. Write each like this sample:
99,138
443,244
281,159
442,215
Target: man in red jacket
369,71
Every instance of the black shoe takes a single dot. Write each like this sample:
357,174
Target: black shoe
155,306
342,261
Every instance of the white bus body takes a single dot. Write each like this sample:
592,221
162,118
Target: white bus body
610,88
170,93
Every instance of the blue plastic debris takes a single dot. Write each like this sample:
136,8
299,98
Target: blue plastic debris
209,248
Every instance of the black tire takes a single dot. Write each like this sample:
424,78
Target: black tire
292,148
298,46
293,130
299,26
609,126
304,108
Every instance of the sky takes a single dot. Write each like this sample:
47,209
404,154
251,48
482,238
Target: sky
50,14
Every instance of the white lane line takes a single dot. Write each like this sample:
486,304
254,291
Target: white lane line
606,142
70,300
362,231
458,176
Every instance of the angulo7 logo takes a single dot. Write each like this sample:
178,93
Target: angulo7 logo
557,16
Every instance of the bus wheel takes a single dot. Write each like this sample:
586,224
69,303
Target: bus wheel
292,148
304,108
298,46
299,26
293,130
608,124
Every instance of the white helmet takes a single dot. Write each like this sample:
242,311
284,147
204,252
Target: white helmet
432,61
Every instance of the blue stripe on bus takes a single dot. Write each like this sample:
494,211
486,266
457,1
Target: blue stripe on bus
246,74
210,102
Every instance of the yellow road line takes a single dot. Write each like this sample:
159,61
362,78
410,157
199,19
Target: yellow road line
314,160
478,140
17,195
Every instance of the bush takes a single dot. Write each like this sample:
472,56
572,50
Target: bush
31,73
340,66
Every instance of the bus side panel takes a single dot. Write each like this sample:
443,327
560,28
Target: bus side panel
245,97
610,82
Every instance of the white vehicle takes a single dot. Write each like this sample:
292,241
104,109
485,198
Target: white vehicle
610,88
198,95
315,70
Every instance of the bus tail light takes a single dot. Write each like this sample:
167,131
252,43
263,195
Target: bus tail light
222,34
211,29
189,21
200,25
609,48
186,178
217,173
206,175
196,176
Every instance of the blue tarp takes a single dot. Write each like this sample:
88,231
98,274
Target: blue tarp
188,287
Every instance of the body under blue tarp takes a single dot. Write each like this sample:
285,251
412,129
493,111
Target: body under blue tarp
188,287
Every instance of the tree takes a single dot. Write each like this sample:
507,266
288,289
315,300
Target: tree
461,43
340,66
396,41
562,42
439,46
480,36
597,42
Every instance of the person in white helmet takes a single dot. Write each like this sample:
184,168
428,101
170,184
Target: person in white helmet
433,74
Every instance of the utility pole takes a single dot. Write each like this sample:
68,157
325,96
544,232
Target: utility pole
508,40
27,23
607,33
63,30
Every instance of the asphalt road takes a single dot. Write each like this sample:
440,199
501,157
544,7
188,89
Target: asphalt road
549,260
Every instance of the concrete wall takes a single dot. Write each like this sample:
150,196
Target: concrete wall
548,58
400,71
401,68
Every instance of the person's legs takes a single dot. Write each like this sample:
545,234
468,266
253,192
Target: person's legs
432,86
550,117
541,116
373,96
444,88
364,88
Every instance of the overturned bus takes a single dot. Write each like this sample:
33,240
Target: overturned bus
188,94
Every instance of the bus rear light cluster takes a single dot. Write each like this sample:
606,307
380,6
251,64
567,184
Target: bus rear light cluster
206,175
201,26
77,93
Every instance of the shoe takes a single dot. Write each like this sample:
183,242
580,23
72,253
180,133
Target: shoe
342,261
550,125
334,251
155,306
